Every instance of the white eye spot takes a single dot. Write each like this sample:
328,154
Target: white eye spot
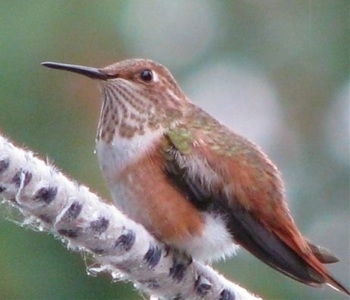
155,77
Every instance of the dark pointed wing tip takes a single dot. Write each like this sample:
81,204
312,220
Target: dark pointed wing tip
336,285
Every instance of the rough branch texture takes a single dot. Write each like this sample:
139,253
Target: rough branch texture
119,246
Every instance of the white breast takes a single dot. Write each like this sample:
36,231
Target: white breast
117,155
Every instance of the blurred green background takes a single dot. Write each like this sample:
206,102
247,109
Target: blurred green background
275,71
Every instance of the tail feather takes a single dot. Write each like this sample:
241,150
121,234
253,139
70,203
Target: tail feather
325,256
318,273
319,257
282,255
322,254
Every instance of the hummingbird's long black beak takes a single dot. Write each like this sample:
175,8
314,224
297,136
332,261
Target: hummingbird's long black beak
86,71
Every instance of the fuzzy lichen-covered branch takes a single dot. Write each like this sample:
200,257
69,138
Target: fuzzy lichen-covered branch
118,245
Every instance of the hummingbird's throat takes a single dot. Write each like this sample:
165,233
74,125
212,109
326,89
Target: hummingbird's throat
120,115
128,109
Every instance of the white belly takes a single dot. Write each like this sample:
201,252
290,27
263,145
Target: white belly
213,244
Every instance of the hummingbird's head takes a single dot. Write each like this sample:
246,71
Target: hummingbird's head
137,94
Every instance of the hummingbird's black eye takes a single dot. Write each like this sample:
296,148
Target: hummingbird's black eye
146,75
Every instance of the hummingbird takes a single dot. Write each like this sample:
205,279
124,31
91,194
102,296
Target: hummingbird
193,183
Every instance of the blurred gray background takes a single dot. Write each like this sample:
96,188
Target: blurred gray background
275,71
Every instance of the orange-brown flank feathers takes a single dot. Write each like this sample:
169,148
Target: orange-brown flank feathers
165,212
